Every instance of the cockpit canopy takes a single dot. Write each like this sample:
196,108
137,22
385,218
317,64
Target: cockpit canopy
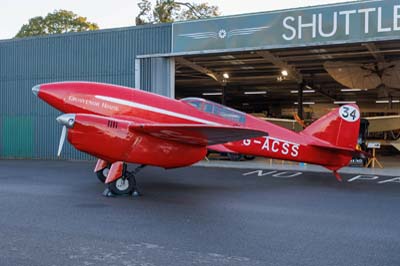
216,109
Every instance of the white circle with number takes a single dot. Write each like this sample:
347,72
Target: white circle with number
349,113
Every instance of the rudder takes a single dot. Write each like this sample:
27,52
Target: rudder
340,127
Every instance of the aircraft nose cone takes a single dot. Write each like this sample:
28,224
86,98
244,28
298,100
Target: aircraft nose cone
35,90
67,120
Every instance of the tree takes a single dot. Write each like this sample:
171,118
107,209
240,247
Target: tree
198,11
60,21
144,15
166,11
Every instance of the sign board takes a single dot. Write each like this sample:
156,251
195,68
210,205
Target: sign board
374,145
353,22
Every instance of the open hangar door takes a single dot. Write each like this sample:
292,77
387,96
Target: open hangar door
308,81
156,75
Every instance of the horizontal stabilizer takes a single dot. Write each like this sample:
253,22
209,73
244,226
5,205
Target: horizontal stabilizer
341,150
197,134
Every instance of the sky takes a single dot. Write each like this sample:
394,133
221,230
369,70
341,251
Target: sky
122,13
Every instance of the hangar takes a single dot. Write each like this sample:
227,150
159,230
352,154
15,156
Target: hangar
305,59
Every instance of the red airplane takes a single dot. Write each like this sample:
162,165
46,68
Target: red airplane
122,125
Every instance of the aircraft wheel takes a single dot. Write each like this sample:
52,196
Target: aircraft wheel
102,174
234,156
121,186
249,157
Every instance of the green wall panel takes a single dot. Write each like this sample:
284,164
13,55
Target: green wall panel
17,137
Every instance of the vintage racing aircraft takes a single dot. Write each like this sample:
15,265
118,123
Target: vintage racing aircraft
122,125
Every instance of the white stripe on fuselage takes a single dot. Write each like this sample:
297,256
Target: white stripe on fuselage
155,109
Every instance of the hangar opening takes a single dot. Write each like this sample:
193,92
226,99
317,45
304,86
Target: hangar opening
276,81
336,54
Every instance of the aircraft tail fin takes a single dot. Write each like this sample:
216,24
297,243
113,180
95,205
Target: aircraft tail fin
339,128
337,132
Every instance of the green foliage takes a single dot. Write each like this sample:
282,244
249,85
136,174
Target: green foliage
144,15
166,11
60,21
198,11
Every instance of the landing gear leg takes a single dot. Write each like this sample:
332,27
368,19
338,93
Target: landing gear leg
338,177
102,174
125,185
132,176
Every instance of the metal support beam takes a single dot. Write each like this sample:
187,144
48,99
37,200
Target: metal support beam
375,52
223,98
300,110
292,71
215,76
322,92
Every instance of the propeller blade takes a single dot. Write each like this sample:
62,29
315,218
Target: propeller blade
62,140
67,121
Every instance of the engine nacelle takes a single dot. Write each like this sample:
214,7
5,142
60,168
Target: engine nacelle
112,140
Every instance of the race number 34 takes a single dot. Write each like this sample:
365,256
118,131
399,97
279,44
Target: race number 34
349,113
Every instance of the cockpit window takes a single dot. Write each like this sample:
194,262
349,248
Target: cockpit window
208,108
195,104
217,109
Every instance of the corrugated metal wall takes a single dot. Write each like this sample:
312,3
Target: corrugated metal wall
27,125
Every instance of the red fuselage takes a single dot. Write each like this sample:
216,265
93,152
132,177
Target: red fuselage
142,107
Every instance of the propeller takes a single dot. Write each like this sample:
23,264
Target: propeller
68,121
62,140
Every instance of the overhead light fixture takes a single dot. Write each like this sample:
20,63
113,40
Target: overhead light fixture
227,57
308,87
237,62
212,93
387,101
225,75
382,101
305,103
254,92
343,102
351,90
304,91
285,73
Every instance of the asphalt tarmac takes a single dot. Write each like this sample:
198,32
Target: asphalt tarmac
53,213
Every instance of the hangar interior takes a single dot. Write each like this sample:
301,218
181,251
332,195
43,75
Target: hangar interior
253,81
298,64
256,83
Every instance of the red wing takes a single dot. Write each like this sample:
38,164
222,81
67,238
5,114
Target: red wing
197,134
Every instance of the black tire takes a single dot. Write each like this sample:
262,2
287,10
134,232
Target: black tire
234,156
249,157
121,186
102,174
